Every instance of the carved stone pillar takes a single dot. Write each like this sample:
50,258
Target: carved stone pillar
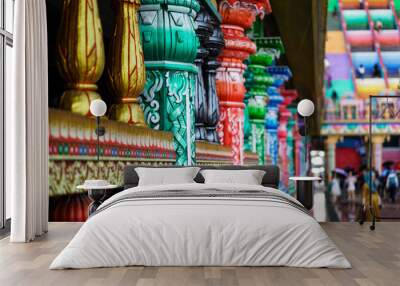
170,48
270,49
236,17
377,149
291,148
272,122
285,136
126,69
80,51
204,31
280,75
256,107
284,115
214,45
257,81
298,146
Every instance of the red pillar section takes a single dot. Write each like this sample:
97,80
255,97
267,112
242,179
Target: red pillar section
237,16
284,116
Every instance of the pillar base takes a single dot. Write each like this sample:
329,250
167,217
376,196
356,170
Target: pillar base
78,101
230,129
130,113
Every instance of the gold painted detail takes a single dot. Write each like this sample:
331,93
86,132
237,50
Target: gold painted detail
126,70
80,51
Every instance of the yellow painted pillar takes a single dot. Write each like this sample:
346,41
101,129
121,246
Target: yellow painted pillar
331,153
377,149
126,70
80,51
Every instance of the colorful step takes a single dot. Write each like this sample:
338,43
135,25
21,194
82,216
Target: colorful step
374,4
335,42
370,86
356,19
391,60
394,83
360,38
388,38
339,66
343,88
350,4
385,16
367,59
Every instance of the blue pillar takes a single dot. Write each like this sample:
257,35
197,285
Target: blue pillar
280,75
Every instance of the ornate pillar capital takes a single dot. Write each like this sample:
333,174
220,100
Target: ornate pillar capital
332,139
243,13
378,139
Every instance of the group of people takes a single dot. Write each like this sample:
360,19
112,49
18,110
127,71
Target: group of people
376,72
347,186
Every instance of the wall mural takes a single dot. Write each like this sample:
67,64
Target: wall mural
186,82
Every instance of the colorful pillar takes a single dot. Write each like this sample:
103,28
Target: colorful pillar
126,71
170,48
80,51
213,44
283,137
272,122
291,155
284,115
204,31
257,81
377,146
331,153
280,75
236,17
298,146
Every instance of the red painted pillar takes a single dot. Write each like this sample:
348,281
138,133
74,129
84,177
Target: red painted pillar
236,17
284,115
298,145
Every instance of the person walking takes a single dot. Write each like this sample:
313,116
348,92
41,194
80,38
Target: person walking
375,198
351,187
361,71
376,71
392,184
378,26
336,190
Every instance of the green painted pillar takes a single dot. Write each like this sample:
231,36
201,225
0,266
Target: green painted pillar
170,47
257,82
